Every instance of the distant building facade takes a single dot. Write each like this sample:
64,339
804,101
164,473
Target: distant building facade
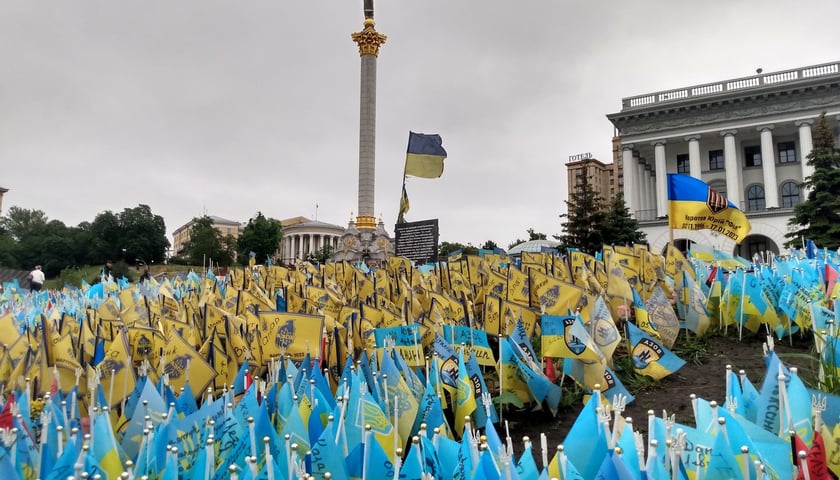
303,237
748,138
602,177
181,235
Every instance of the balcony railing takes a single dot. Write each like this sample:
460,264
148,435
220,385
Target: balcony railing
737,84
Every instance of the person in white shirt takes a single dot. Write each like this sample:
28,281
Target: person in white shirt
36,279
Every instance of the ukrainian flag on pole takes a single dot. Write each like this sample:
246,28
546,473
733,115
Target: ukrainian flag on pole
425,155
694,205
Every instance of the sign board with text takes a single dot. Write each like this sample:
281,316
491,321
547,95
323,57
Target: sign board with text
417,241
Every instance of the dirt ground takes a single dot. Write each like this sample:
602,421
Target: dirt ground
706,379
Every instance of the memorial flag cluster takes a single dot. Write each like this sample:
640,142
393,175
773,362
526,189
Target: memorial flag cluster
404,372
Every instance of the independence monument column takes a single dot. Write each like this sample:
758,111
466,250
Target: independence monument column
366,239
369,41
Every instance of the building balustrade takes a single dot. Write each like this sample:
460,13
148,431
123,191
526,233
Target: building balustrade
739,84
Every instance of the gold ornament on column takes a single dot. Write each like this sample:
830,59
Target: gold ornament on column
369,39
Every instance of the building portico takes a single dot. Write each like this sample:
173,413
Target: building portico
748,138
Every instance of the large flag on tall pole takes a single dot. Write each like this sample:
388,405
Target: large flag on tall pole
694,205
425,155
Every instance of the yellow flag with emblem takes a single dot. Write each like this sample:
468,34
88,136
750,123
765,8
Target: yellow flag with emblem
183,362
290,334
518,286
117,370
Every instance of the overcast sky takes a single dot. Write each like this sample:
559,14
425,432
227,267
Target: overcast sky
233,107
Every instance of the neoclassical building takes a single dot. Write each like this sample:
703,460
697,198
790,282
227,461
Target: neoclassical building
302,236
746,137
181,235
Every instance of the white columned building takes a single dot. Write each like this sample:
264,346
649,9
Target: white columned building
303,237
748,138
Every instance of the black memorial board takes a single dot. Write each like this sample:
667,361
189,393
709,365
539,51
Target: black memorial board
417,241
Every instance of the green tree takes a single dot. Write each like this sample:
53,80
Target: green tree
323,255
489,245
29,238
261,236
8,251
818,217
585,218
619,227
446,248
106,238
135,233
208,243
21,224
143,235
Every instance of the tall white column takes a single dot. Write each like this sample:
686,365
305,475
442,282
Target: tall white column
645,192
768,167
695,169
299,246
661,178
730,162
651,188
806,144
628,170
640,175
637,183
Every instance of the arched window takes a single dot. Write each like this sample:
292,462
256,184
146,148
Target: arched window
755,198
790,194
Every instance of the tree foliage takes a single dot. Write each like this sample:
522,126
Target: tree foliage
29,237
446,249
323,254
207,243
262,236
619,227
591,222
585,218
818,216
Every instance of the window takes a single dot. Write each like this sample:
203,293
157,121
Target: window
752,156
715,159
755,198
682,163
787,152
790,194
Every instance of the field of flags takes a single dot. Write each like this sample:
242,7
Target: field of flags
344,371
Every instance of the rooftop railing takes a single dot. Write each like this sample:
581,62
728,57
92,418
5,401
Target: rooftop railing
737,84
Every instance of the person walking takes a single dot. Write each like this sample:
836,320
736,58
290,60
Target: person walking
36,279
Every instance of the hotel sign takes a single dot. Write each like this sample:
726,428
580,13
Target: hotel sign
580,156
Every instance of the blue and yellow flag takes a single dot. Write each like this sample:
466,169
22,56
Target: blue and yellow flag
650,357
425,155
694,205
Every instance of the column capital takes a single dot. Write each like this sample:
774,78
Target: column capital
807,121
694,136
369,40
658,142
765,127
627,146
726,133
